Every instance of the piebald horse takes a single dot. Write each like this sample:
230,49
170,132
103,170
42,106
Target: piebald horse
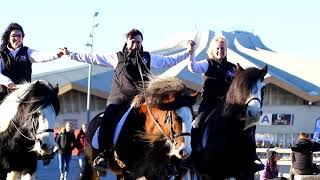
27,119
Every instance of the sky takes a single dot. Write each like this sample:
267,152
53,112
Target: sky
288,27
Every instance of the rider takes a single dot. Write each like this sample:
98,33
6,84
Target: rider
16,59
218,74
131,64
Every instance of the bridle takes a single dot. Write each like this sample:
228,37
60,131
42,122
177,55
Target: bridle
34,133
173,136
252,99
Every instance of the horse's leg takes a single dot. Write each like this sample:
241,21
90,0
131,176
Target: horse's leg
13,175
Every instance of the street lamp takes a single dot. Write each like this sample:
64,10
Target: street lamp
94,25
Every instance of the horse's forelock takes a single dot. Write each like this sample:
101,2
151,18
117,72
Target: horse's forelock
241,86
160,88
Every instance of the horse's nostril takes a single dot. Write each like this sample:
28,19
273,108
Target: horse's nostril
44,146
181,153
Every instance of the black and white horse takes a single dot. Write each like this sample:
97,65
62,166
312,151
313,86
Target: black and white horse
27,119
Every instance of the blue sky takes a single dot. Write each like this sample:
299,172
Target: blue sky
288,26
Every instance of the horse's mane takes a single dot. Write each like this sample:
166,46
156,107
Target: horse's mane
36,96
159,88
241,86
26,100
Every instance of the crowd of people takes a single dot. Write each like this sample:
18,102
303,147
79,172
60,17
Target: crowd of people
132,67
66,142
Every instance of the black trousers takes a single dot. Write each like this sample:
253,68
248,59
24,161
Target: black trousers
205,108
112,116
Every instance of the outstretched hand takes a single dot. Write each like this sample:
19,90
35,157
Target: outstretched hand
190,46
63,51
11,86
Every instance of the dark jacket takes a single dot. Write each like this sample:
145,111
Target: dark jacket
81,141
302,154
127,78
66,142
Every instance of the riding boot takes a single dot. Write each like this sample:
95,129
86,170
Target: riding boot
101,162
196,140
107,128
105,142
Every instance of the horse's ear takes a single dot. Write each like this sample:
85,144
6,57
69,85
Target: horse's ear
56,89
37,83
264,71
238,68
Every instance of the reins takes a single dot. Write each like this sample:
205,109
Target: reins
173,136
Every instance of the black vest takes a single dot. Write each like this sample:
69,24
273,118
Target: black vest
217,80
18,68
127,79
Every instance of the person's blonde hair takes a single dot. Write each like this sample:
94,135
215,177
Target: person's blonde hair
213,44
303,135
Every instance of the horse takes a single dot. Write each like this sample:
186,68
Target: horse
227,149
157,127
27,120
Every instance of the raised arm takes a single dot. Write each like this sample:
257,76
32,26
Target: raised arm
200,67
37,56
107,60
159,61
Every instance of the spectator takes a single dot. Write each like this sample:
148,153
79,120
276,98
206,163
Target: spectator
302,156
66,142
81,145
270,170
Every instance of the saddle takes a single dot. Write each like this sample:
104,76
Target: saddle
95,142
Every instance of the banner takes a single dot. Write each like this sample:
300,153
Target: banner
316,134
282,119
265,120
269,119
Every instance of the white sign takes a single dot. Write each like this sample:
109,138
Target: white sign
265,120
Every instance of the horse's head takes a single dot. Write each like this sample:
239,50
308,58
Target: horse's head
33,110
168,110
246,91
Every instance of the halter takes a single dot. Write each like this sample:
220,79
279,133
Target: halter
34,133
173,137
247,104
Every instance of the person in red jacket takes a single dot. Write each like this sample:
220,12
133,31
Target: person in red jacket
81,146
